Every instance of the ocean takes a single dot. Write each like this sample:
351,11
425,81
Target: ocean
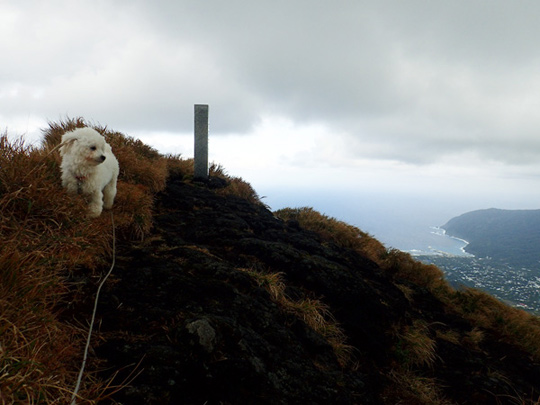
427,241
413,224
407,222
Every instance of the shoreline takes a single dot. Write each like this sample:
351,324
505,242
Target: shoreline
438,251
466,254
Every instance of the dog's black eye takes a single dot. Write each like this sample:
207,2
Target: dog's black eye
93,148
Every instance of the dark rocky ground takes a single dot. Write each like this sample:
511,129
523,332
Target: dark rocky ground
202,331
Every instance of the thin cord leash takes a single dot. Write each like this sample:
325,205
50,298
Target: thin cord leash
81,372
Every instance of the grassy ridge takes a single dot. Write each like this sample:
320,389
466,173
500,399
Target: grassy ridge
45,237
514,325
416,346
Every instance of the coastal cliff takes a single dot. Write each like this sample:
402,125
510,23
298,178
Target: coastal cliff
512,236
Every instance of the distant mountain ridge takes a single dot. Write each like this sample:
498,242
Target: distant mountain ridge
512,236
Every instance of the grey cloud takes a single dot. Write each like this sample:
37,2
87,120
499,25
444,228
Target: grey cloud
412,81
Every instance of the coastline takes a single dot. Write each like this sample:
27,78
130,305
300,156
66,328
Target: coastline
465,253
441,244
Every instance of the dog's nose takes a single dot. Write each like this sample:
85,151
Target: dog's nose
102,158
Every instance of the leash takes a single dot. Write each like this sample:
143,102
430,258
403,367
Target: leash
96,300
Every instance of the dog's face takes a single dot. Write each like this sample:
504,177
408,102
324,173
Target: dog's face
86,145
92,150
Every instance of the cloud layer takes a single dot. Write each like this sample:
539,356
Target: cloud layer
415,82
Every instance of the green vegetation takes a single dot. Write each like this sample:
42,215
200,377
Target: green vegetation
512,236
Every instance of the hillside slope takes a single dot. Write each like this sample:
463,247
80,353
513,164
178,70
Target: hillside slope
226,303
509,235
216,300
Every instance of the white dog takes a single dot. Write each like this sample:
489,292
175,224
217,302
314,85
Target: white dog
89,168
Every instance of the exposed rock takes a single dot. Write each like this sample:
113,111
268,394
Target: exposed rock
206,334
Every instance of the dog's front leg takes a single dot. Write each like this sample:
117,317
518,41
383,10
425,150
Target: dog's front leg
109,192
95,205
70,184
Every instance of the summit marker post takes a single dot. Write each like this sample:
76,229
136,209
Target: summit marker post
201,142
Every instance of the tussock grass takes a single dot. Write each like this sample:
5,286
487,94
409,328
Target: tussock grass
178,167
40,234
511,324
397,263
401,265
44,236
143,172
235,185
485,312
333,230
408,387
312,312
416,346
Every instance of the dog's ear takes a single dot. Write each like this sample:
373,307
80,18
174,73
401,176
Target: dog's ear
67,144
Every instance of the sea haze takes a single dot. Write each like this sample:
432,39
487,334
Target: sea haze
406,222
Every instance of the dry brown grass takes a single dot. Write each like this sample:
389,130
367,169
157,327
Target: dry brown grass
407,387
396,263
235,185
143,172
39,235
44,236
483,310
312,312
416,346
335,231
511,324
178,167
401,265
184,168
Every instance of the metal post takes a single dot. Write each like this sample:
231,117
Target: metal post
201,142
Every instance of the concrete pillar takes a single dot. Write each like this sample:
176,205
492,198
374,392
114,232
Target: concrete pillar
201,142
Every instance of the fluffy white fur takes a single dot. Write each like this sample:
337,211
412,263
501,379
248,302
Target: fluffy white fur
89,168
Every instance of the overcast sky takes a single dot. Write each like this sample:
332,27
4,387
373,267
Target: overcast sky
402,96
